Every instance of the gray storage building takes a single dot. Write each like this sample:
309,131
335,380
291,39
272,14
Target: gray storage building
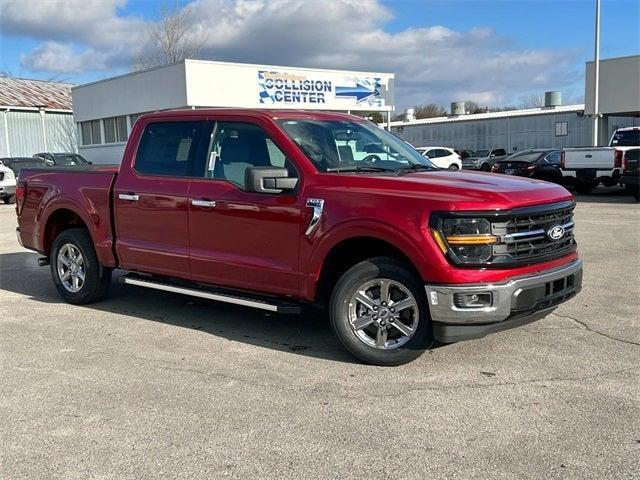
554,127
35,116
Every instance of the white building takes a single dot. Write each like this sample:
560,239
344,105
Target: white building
35,116
106,110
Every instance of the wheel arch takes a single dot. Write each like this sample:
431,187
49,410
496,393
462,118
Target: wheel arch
351,250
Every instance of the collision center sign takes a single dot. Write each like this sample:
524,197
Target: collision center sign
324,90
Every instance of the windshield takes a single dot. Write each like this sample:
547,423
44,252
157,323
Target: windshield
69,159
626,138
482,153
335,145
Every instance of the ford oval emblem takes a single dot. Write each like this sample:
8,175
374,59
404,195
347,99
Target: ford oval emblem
556,232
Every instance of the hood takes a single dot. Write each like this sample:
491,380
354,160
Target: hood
463,190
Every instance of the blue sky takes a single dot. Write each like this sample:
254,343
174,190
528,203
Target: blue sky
492,52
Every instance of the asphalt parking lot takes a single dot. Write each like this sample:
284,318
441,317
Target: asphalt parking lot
155,385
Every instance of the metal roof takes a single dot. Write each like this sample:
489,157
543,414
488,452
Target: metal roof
18,92
491,115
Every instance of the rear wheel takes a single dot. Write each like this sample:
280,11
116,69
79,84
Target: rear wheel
379,312
76,271
453,166
8,200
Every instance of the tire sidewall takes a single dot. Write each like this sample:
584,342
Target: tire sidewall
370,270
81,239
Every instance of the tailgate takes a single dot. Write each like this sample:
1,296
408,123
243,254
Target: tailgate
592,158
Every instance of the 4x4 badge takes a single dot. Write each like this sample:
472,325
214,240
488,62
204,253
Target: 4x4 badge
556,232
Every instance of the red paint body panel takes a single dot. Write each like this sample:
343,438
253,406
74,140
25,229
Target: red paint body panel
256,241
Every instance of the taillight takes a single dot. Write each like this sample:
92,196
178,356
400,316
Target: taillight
21,193
625,163
617,159
562,160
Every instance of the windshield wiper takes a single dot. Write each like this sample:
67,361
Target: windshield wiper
359,168
418,166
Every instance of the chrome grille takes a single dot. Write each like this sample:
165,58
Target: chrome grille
525,239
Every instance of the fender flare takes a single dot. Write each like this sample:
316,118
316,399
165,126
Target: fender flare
365,228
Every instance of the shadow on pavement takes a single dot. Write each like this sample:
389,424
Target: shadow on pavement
605,195
308,334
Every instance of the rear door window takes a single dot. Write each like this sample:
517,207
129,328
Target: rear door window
169,148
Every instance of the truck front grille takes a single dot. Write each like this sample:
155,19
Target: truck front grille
525,235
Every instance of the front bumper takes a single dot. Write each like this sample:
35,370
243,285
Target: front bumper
516,302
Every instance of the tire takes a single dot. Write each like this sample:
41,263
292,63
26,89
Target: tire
584,188
485,167
97,278
396,347
9,200
453,166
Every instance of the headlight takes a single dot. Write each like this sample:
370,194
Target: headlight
465,240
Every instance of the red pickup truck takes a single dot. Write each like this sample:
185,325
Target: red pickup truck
278,209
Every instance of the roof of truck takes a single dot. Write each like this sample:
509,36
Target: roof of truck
272,114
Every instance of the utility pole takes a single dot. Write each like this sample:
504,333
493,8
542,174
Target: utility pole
596,83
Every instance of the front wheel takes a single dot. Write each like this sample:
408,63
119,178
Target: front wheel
76,271
379,312
485,167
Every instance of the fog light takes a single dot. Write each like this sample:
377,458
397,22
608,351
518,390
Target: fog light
473,300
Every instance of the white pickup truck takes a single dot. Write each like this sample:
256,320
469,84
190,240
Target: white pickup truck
586,167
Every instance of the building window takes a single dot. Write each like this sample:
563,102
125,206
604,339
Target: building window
562,129
91,132
115,129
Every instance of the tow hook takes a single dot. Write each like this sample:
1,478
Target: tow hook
43,262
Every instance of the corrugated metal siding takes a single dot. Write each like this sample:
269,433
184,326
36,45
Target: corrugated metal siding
511,133
62,133
25,133
26,137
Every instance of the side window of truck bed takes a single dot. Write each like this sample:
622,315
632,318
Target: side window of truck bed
168,148
237,146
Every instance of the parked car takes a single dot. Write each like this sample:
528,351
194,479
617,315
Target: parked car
630,172
7,184
464,153
70,159
18,163
259,208
442,157
543,164
586,167
484,159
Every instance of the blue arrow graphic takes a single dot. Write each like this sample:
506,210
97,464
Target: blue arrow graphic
359,91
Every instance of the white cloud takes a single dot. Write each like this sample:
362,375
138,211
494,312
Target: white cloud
432,63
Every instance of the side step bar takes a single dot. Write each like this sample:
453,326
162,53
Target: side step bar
261,303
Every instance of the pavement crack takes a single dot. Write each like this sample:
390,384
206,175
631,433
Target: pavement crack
589,329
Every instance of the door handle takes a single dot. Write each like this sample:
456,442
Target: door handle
203,203
130,197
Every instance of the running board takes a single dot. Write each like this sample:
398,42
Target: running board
220,296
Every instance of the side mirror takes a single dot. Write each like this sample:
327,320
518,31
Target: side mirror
268,180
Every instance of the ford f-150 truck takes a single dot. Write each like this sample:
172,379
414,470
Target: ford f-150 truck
586,167
281,209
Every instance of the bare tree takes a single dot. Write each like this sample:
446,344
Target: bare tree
429,111
531,101
171,39
66,136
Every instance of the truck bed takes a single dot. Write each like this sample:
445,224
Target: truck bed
84,192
